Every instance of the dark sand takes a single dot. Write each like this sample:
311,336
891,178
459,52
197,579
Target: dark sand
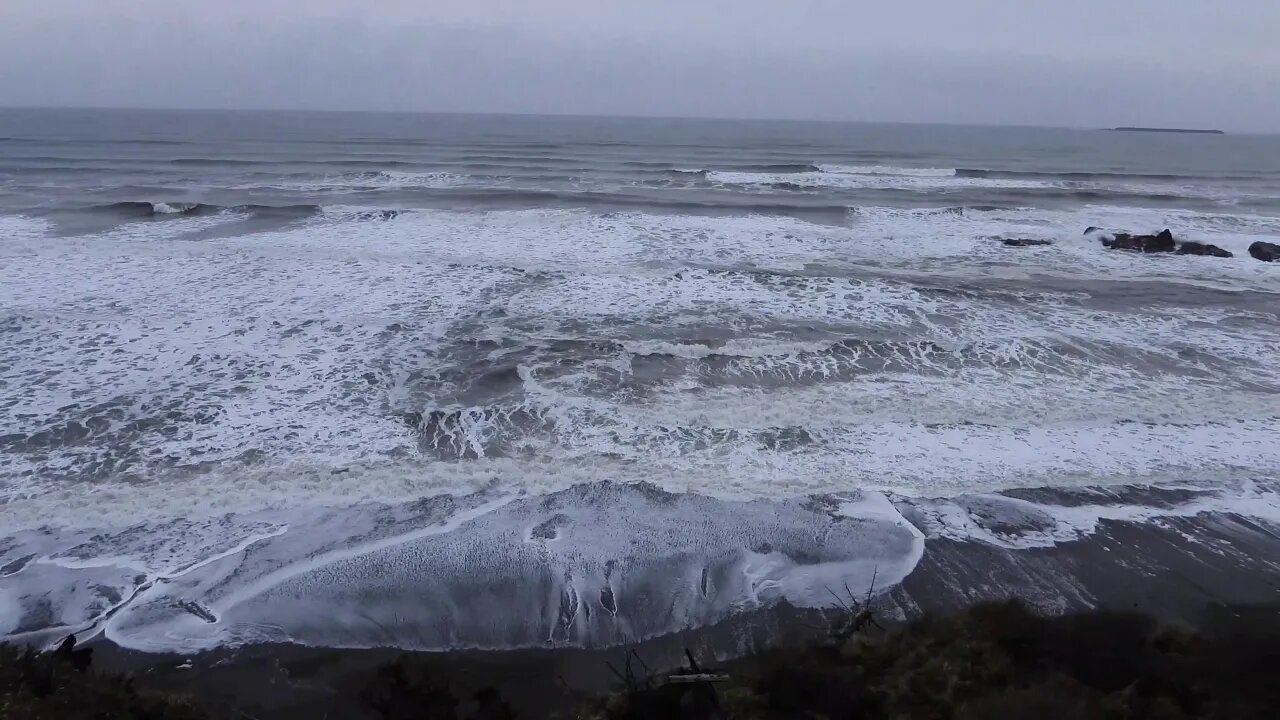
1207,571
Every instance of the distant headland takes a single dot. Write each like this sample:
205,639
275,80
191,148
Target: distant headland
1168,130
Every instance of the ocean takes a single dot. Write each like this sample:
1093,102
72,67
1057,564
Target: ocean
494,381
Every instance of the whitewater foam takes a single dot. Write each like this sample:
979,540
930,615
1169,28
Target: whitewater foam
842,178
163,208
357,359
380,180
1016,523
298,349
583,565
887,170
20,234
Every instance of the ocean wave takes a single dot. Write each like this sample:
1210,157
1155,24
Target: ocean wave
296,391
373,181
887,170
979,173
147,209
783,168
400,179
648,165
512,160
216,162
381,164
1003,186
137,209
744,347
358,214
873,177
504,198
771,168
1138,195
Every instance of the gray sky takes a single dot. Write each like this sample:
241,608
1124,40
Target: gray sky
1046,62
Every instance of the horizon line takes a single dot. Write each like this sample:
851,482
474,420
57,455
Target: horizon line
505,113
594,116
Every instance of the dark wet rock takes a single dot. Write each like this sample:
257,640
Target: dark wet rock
1118,496
1265,251
110,594
13,442
1024,242
785,439
199,611
1195,248
16,566
568,613
38,615
549,530
823,505
1160,242
607,600
1007,518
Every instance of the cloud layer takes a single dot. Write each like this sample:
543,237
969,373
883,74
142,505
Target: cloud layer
1085,63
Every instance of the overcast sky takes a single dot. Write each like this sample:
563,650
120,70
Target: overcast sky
1213,63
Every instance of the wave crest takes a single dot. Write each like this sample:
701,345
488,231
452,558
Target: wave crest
162,209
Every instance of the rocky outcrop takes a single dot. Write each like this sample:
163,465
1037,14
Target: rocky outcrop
1164,242
1195,248
1265,251
1160,242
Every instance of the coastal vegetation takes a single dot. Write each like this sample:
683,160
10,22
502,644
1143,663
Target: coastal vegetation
994,661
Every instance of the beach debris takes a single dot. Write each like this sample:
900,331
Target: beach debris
697,671
690,687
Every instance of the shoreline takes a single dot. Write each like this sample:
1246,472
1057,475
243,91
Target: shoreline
1202,571
596,566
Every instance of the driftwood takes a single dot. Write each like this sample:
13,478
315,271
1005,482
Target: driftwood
860,615
711,689
704,677
701,679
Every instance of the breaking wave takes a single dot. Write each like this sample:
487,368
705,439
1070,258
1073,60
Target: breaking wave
165,209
